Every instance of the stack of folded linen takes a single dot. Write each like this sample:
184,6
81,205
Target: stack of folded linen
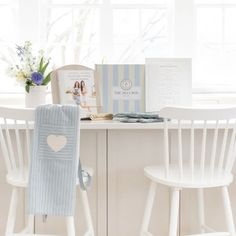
101,116
142,117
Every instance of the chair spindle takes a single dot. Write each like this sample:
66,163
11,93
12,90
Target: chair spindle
203,149
213,149
166,147
180,155
10,146
19,149
5,151
222,152
192,149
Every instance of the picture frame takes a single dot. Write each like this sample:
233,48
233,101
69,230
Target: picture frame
75,84
168,82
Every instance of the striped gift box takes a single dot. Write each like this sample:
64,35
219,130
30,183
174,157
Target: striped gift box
120,88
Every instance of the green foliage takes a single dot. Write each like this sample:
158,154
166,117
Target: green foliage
43,65
47,79
28,83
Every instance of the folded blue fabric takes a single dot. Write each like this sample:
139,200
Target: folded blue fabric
54,160
138,117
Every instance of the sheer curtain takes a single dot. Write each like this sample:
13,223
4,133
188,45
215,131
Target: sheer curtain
125,31
108,31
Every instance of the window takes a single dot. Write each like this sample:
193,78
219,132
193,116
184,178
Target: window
108,31
78,41
8,19
90,32
216,45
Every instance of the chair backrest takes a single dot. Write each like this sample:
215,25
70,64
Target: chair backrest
204,140
15,138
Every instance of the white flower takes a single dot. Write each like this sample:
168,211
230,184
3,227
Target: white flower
25,63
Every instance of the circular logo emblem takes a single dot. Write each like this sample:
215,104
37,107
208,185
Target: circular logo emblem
126,84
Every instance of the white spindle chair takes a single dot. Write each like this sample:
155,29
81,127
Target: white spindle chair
208,167
15,139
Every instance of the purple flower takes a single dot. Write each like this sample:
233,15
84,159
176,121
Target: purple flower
37,78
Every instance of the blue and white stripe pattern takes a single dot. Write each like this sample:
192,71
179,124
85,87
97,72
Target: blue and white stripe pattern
110,76
52,179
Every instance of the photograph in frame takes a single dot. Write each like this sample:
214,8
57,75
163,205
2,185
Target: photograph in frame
72,85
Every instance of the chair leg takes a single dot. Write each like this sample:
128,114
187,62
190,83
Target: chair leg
201,212
228,211
12,212
174,213
148,209
87,212
70,226
31,224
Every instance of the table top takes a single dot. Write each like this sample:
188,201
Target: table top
116,125
110,124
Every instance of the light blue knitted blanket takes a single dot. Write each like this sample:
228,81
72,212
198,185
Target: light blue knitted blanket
54,161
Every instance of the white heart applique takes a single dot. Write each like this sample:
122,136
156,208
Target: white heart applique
56,142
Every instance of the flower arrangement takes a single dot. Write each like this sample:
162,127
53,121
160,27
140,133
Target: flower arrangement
29,69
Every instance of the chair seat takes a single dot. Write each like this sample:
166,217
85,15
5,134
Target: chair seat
17,180
157,174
